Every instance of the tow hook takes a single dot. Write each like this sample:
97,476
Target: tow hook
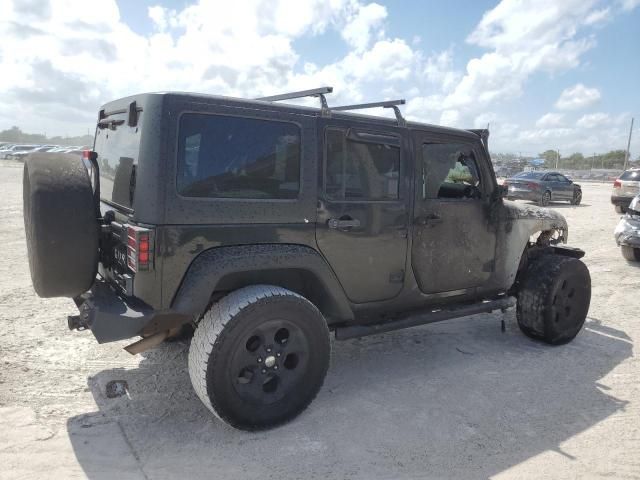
76,322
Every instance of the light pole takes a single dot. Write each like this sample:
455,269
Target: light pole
626,154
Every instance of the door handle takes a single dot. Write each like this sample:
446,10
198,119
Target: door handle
342,223
430,219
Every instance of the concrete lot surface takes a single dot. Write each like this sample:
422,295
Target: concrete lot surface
457,399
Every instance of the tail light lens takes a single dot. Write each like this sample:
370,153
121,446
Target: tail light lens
139,248
533,186
617,184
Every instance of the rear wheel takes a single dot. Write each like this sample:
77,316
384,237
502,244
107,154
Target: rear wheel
545,199
630,253
259,356
554,298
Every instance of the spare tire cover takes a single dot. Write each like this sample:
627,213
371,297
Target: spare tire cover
60,224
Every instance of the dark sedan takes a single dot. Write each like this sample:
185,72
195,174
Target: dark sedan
543,187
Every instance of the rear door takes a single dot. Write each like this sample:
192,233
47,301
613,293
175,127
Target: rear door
454,239
362,221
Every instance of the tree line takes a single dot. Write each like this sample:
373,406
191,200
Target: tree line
16,135
612,160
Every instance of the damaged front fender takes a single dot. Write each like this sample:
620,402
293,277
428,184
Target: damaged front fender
520,224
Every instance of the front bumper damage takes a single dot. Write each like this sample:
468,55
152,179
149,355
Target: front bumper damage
112,317
627,231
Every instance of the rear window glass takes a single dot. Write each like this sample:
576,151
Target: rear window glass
118,159
631,175
233,157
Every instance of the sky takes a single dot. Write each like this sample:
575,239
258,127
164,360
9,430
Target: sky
542,73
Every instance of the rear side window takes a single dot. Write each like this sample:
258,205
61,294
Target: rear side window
233,157
449,170
360,170
633,175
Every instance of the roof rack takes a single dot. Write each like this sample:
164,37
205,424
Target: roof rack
386,104
314,92
324,107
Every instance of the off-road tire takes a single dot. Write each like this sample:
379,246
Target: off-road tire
630,253
545,199
225,337
60,224
553,299
620,209
577,197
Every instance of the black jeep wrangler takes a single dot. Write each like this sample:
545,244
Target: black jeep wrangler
264,226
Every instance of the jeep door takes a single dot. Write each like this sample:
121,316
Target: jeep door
362,220
454,237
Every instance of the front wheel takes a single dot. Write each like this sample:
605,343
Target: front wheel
577,197
554,298
259,356
630,253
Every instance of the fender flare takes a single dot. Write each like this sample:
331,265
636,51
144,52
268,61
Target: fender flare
228,268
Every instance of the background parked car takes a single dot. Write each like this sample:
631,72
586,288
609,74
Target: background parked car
625,187
20,155
543,187
627,233
16,149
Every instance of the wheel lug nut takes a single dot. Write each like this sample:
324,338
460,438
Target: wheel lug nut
278,354
264,370
259,359
268,350
275,367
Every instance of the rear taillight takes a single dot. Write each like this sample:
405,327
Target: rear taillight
617,184
139,248
533,186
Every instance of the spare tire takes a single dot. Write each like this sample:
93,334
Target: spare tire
60,224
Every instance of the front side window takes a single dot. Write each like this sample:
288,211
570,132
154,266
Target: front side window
360,170
233,157
449,170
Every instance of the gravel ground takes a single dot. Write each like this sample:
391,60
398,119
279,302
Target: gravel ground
458,399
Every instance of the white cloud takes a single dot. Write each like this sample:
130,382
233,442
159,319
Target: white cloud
67,57
598,16
577,97
358,30
593,120
628,5
550,120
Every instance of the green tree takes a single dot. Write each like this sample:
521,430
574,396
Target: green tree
549,157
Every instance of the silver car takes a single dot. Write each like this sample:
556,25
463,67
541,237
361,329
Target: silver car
625,188
627,233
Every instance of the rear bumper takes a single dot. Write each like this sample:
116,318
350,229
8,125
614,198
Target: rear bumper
621,201
112,317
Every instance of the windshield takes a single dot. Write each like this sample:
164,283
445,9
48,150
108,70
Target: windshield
117,151
530,175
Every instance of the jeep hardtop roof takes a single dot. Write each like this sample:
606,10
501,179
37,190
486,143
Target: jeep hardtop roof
116,105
